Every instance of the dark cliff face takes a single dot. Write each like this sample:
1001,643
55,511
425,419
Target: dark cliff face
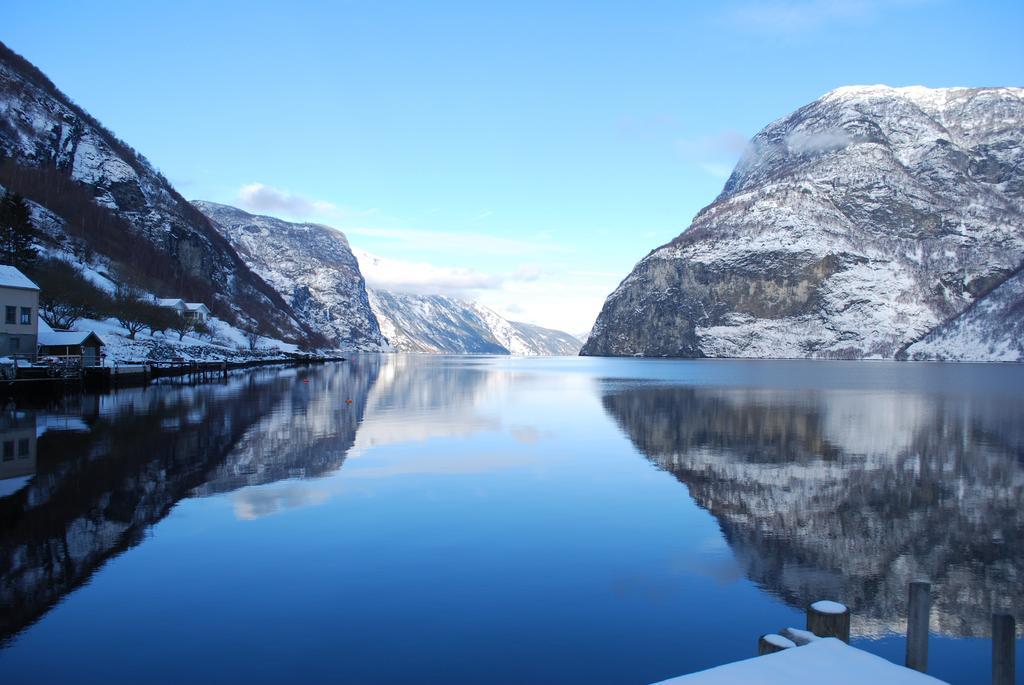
114,203
850,229
98,489
850,495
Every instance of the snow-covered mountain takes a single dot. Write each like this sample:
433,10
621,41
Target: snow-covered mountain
445,324
852,228
311,266
114,203
440,324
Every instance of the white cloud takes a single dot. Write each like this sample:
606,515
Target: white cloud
421,277
258,197
718,170
804,142
715,154
448,243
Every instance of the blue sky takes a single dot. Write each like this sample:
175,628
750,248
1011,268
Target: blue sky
527,154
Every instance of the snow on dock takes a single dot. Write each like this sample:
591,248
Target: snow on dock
825,660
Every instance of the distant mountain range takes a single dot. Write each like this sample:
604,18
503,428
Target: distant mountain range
318,274
874,222
446,325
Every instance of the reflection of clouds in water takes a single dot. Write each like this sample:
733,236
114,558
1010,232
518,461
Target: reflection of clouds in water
253,503
528,435
382,429
438,465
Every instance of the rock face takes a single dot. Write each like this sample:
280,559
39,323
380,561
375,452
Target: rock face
850,229
116,204
991,329
439,324
311,266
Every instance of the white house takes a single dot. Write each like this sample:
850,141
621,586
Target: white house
177,304
19,312
197,311
194,311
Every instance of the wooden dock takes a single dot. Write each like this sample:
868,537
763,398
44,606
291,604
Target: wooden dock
55,381
821,653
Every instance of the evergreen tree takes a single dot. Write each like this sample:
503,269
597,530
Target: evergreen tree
16,232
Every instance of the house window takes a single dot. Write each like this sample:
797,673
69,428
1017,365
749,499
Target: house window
22,448
12,314
26,316
8,450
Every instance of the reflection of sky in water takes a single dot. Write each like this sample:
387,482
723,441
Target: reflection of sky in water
511,520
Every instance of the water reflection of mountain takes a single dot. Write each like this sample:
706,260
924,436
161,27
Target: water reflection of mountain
852,494
308,432
419,397
96,492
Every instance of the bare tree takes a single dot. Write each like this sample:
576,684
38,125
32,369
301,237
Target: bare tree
252,336
131,310
65,295
183,325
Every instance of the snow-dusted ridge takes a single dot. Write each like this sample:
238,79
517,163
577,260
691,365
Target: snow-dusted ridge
849,229
311,266
138,214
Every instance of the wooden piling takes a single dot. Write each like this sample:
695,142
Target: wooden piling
829,619
919,606
771,643
1004,634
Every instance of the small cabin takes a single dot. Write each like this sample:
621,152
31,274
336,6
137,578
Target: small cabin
70,344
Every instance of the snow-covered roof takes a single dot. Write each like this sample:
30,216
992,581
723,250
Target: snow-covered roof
11,277
66,338
197,307
820,661
175,302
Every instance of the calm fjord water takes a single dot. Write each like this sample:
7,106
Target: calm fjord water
439,519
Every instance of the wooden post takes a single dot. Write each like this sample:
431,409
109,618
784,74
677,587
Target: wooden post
1004,634
919,606
829,619
771,643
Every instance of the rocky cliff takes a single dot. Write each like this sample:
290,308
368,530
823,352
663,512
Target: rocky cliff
851,228
311,266
114,203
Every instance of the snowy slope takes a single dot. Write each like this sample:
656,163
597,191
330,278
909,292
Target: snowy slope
49,140
849,229
446,324
311,266
439,324
991,329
